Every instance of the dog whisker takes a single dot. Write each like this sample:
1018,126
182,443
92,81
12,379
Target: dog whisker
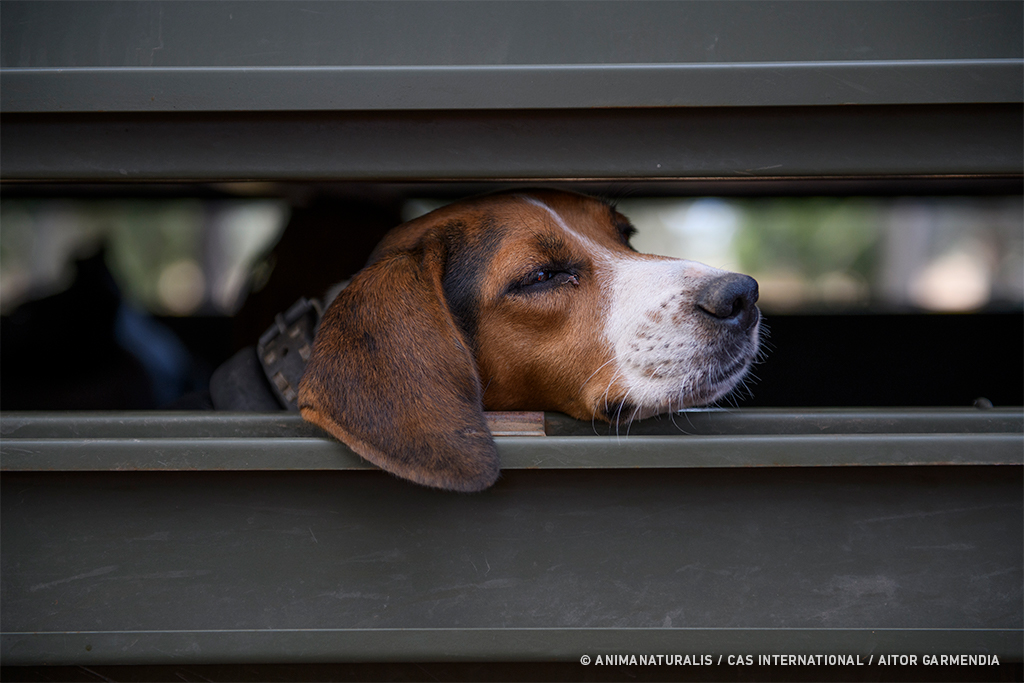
601,367
636,411
607,391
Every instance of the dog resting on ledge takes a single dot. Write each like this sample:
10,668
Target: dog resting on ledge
517,301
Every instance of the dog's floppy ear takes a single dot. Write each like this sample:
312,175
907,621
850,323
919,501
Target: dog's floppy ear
391,375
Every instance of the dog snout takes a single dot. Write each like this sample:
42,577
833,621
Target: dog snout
730,299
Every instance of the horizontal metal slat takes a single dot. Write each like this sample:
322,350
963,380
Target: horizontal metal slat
523,453
745,421
861,646
554,86
741,439
626,143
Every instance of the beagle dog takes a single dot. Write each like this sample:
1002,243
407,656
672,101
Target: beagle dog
517,301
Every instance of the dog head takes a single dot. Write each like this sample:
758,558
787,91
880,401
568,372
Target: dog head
517,301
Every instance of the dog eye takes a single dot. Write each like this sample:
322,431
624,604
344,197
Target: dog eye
545,278
552,277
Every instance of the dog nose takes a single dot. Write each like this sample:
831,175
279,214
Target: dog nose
730,299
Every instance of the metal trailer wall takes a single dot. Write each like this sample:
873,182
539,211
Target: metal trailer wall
155,539
441,90
149,538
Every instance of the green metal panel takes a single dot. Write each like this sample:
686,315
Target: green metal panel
160,567
438,90
684,537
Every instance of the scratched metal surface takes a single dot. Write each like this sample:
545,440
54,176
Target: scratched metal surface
112,33
151,567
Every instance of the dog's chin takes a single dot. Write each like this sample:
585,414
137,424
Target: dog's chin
694,390
716,388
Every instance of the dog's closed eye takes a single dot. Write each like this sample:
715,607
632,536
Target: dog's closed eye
543,279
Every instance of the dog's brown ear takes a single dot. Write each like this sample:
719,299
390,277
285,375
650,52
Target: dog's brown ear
392,377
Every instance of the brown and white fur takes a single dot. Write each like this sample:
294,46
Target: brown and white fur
517,301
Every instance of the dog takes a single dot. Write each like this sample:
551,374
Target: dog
517,301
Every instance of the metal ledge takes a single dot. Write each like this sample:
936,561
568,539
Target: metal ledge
742,438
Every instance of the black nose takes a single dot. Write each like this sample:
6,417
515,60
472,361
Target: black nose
730,299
